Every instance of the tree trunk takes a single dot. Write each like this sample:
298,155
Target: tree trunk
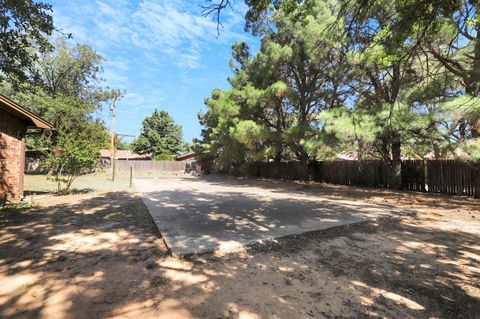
436,150
305,169
303,159
278,152
396,163
474,82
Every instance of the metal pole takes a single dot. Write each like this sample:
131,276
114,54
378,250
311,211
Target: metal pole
131,174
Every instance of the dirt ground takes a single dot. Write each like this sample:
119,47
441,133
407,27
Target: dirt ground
98,255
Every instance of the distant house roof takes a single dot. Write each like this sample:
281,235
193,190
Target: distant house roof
347,156
187,156
24,114
353,156
456,153
122,154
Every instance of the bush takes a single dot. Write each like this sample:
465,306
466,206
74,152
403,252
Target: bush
163,157
75,153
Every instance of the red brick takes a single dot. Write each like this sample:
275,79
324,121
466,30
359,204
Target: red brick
12,133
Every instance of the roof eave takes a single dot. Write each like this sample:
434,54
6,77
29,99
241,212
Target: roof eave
37,121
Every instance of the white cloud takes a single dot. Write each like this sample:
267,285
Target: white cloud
158,30
164,27
115,79
160,51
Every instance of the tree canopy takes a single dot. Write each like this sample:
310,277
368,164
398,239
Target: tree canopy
387,79
160,136
68,91
24,30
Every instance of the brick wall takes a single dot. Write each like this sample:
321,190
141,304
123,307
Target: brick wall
12,156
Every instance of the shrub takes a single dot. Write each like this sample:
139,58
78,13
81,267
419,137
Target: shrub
74,153
163,157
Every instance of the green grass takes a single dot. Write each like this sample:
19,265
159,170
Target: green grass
18,205
39,184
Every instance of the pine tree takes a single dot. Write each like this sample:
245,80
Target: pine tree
160,136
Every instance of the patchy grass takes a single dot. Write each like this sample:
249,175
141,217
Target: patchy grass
40,184
18,205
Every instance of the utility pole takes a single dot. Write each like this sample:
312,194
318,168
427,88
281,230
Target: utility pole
112,140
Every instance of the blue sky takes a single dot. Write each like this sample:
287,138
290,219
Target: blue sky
162,52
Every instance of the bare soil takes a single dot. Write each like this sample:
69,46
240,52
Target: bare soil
98,255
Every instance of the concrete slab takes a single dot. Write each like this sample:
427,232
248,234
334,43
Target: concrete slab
198,214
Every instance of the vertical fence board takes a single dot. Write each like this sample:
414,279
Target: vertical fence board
434,176
149,167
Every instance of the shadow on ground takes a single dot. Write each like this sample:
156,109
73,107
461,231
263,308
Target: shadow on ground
99,256
385,196
63,258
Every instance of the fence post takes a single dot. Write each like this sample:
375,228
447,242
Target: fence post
131,174
476,183
113,170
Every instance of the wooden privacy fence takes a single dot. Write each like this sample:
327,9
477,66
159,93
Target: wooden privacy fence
361,173
438,176
149,167
453,177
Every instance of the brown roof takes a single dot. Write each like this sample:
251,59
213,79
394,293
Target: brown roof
24,114
122,154
347,156
186,156
457,153
353,156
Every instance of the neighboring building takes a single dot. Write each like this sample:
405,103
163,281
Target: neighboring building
354,156
190,160
105,156
347,156
188,157
124,155
35,161
14,122
457,153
